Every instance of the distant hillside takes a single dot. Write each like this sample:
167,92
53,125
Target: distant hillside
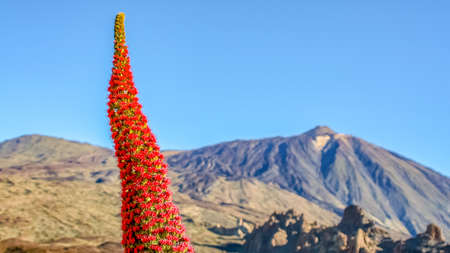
330,169
37,149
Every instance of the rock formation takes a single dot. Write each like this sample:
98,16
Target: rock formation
241,229
356,233
429,241
283,232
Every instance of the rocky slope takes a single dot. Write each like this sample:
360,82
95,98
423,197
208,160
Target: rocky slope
330,169
291,232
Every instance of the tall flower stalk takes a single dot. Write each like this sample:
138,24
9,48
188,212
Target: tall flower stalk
150,220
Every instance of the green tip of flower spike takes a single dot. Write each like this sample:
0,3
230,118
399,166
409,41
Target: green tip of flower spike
119,28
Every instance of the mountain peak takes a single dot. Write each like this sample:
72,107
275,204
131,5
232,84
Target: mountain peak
28,139
320,130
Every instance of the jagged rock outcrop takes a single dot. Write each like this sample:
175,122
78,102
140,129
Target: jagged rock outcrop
433,233
429,241
241,229
283,232
354,217
356,233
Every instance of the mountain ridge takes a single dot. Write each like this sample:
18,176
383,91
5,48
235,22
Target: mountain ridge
317,129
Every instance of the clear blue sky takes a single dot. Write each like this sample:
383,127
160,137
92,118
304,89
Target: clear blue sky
212,71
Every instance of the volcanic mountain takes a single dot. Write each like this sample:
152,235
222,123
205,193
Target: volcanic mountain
330,169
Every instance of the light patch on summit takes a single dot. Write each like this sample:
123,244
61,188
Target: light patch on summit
320,141
343,138
340,136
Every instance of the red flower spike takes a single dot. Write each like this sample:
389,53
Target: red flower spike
150,220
